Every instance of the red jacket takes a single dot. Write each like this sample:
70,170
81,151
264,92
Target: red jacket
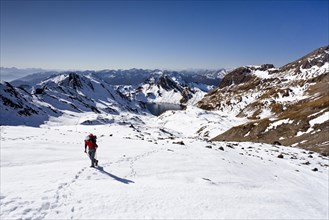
90,141
90,144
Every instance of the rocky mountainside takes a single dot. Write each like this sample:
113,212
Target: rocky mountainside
287,105
64,93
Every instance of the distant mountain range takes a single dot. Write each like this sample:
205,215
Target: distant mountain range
31,100
114,77
142,84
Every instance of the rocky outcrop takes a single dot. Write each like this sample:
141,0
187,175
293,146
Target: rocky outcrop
237,76
73,80
167,84
242,75
187,94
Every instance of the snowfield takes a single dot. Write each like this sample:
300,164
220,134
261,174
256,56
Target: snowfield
153,169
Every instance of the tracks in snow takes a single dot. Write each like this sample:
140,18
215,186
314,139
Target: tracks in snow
60,200
65,206
64,194
131,161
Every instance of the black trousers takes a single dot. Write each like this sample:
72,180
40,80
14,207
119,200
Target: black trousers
92,153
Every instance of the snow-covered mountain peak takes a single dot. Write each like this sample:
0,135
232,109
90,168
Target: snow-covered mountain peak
56,79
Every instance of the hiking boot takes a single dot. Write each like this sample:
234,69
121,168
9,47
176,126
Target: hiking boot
92,166
96,162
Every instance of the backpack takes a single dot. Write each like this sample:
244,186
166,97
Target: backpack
91,138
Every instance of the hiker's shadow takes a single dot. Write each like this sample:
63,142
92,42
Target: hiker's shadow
122,180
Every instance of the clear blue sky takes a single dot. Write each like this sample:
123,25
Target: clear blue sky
159,34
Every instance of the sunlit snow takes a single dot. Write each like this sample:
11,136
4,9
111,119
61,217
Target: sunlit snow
145,173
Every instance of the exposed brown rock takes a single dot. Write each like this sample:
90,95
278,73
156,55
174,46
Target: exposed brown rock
241,82
237,76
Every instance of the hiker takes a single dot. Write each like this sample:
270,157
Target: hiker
90,141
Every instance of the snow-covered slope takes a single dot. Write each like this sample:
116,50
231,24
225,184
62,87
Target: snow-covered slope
194,122
280,103
61,94
148,171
